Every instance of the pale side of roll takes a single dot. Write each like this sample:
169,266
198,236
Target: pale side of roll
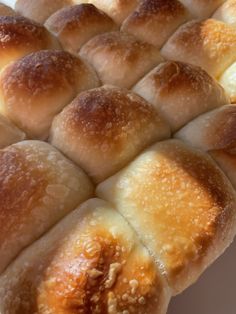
9,133
202,8
227,12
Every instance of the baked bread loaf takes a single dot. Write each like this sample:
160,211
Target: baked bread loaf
167,207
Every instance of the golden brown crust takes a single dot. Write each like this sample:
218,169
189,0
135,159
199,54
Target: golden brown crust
210,44
35,88
202,8
40,10
91,262
103,129
38,186
75,25
119,58
180,92
6,11
180,204
155,20
20,36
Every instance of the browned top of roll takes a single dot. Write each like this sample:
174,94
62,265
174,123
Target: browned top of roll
20,36
74,25
155,20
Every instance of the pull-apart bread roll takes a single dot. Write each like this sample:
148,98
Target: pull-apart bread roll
91,262
9,133
118,10
227,13
20,36
37,87
6,11
215,132
38,186
155,20
75,25
105,128
228,81
40,10
119,58
210,44
180,92
202,8
180,204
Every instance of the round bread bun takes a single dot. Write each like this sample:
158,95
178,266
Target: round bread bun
152,16
20,36
38,186
37,87
92,262
9,133
119,58
40,10
180,92
105,128
180,204
75,25
210,44
227,12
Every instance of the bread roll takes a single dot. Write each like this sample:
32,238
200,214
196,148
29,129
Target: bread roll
91,262
215,132
210,44
227,12
228,81
38,186
40,10
6,11
35,88
105,128
180,92
202,8
155,20
118,10
20,36
119,58
9,133
180,204
75,25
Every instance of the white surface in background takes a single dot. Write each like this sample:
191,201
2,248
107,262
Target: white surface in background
214,293
10,3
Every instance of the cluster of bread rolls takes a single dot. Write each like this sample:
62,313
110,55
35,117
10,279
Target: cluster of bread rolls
128,96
